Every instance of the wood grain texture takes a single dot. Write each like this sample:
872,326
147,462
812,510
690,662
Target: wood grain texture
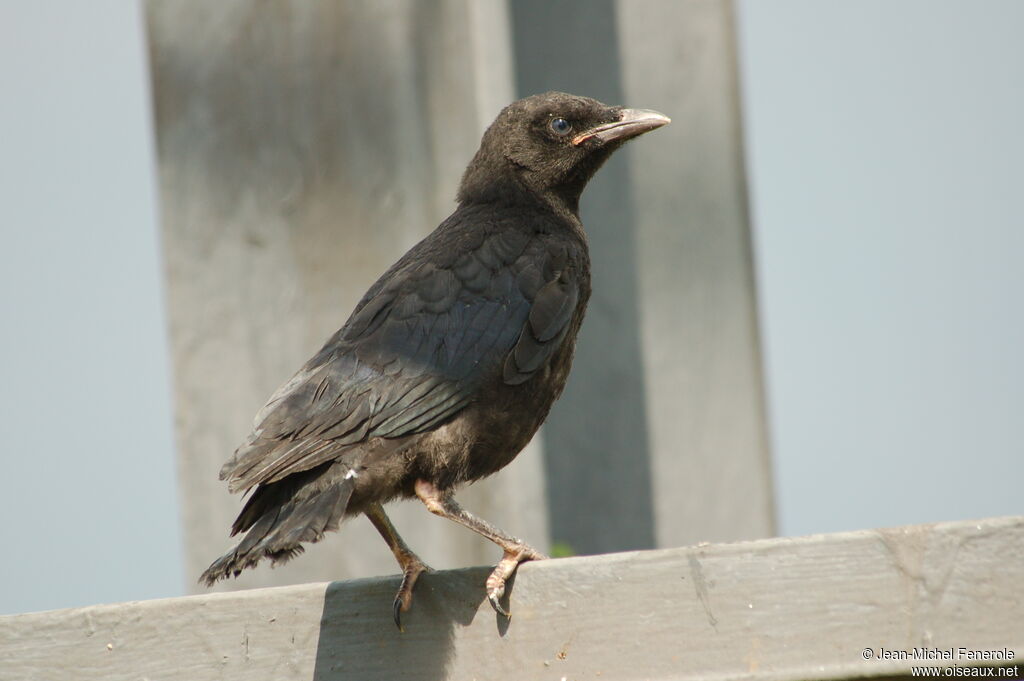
771,609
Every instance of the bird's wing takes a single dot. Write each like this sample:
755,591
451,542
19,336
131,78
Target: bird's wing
414,353
545,328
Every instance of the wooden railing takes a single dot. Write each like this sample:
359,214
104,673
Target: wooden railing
804,608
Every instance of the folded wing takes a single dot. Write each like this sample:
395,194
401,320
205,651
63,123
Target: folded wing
416,352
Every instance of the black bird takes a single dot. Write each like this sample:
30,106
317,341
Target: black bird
449,363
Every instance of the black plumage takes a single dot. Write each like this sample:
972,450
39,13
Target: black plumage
452,359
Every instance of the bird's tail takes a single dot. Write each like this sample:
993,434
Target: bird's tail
281,516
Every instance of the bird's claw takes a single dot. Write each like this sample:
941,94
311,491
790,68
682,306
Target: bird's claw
403,599
494,597
397,610
503,570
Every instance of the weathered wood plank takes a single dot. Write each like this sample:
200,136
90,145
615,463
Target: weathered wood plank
771,609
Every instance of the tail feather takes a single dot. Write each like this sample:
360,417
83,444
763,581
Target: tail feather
307,520
280,517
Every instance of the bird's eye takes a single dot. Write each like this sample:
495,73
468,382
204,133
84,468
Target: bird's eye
560,126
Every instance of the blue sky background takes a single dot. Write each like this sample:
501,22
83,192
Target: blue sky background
885,151
886,157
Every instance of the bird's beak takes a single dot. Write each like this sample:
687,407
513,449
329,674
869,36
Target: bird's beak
631,122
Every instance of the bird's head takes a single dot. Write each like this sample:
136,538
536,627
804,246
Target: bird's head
550,145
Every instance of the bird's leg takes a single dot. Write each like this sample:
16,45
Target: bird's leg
411,564
516,550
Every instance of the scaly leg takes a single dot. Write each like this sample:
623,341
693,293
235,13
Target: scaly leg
412,566
516,550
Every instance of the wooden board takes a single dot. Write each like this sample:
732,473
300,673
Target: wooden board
771,609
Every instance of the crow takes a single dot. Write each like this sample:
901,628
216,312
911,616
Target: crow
449,363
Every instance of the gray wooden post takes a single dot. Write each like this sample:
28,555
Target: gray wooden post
303,147
696,292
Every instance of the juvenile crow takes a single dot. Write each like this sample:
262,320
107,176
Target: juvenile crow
449,363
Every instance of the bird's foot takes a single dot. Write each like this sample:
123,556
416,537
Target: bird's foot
412,568
514,555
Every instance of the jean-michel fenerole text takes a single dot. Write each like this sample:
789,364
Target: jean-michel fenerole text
956,654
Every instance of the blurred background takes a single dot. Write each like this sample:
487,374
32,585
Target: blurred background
806,314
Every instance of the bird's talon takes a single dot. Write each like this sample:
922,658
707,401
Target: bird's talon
398,614
495,600
403,599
